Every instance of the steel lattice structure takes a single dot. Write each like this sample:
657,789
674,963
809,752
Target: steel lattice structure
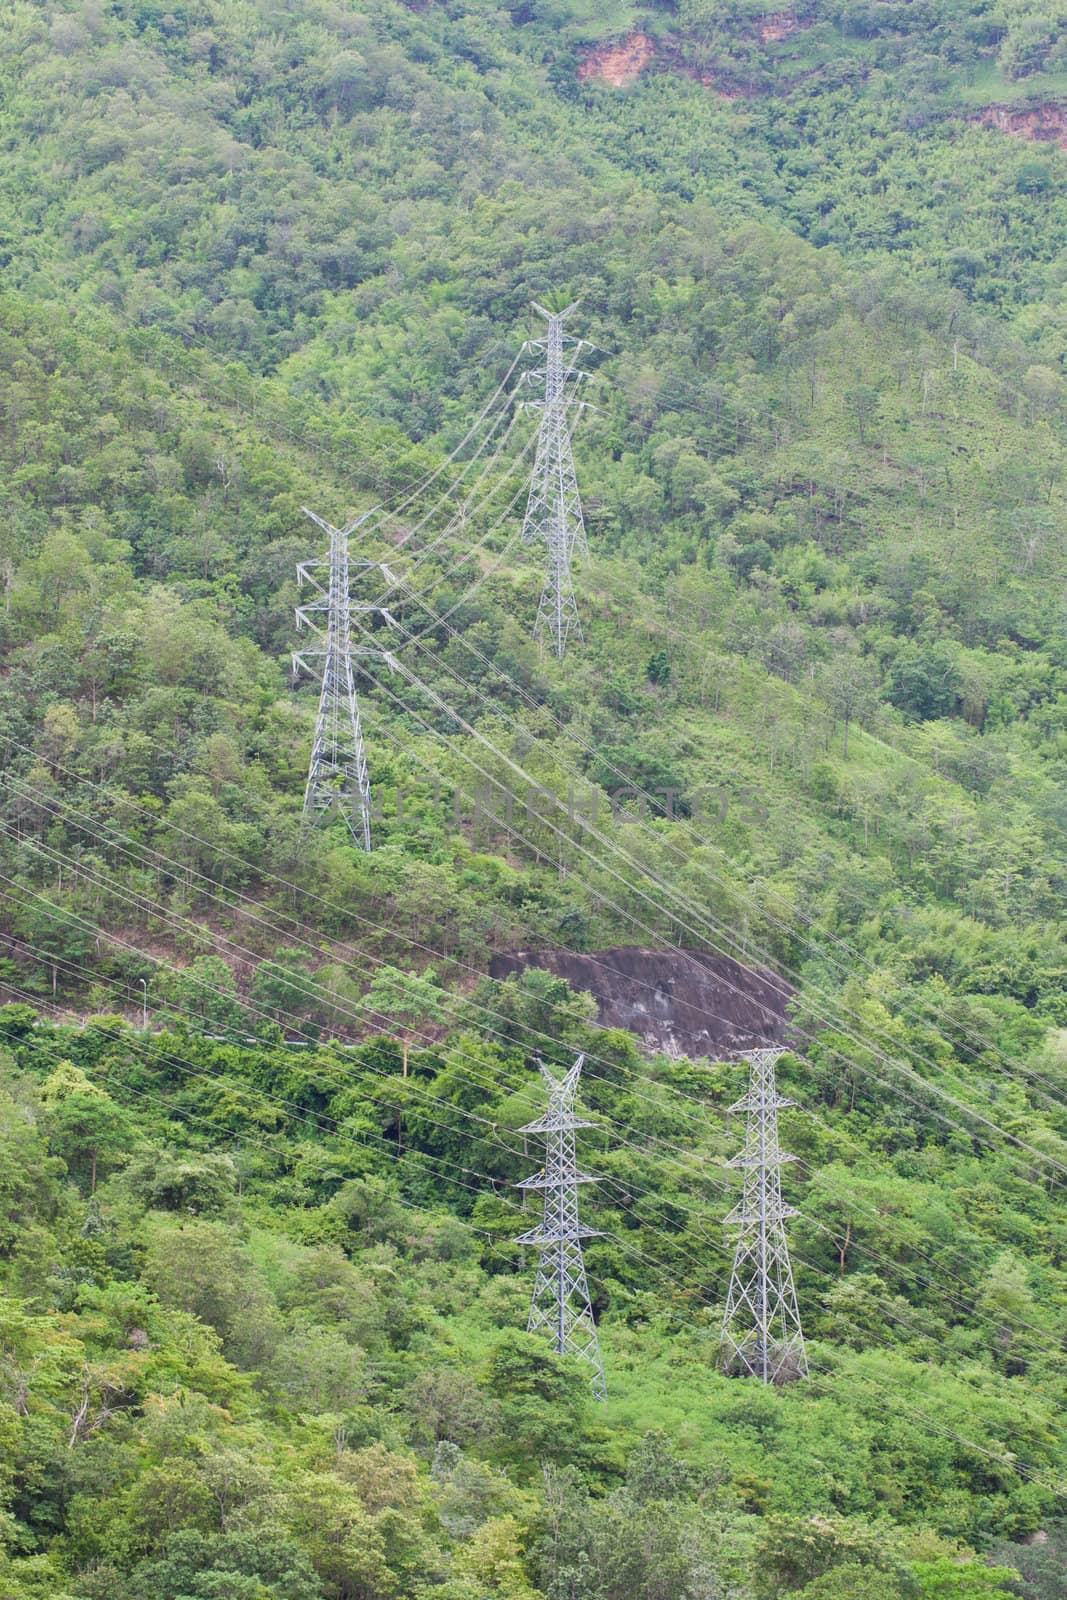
554,507
338,773
761,1334
561,1301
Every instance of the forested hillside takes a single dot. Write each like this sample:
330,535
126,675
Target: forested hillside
262,1311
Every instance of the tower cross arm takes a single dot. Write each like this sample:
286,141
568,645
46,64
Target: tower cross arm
558,1235
750,1102
544,1181
556,1122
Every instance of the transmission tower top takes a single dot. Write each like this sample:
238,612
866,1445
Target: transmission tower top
554,507
761,1335
338,775
561,1301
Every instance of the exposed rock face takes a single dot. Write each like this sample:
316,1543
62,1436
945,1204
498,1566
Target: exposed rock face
618,64
1041,124
692,1004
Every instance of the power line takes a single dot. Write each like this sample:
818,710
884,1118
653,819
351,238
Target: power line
84,824
672,1090
970,1111
641,1222
853,955
924,1419
637,789
184,869
310,988
694,1211
590,827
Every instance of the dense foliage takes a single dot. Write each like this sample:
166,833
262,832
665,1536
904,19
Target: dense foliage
260,1328
239,1327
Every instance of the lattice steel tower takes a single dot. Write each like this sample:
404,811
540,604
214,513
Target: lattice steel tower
554,508
761,1332
561,1293
338,776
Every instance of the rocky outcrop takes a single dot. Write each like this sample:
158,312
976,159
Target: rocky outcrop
687,1003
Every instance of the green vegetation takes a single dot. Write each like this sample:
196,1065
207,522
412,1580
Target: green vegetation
260,1319
239,1328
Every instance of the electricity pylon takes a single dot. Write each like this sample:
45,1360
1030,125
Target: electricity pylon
338,775
561,1293
554,507
761,1332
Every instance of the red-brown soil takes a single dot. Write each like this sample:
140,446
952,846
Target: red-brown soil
618,64
779,26
1040,124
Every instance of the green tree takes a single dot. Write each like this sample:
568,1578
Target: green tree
241,1565
659,667
854,1582
490,1564
408,998
329,1518
797,1553
196,1266
91,1133
543,1401
205,991
201,1183
923,681
850,686
55,929
284,986
29,1174
946,1579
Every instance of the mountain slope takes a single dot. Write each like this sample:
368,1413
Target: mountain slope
261,1310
